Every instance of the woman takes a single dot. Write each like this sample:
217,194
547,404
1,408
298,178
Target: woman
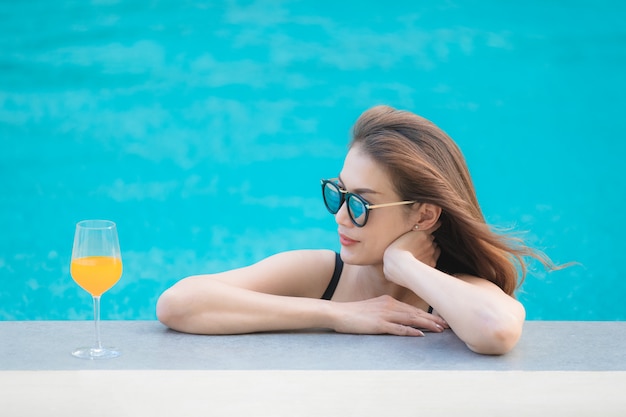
416,253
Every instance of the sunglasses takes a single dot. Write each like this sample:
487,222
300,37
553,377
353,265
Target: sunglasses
358,207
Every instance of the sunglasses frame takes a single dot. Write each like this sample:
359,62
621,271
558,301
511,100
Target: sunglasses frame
345,196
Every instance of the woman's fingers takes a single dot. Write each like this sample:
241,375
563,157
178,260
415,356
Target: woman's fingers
424,321
402,330
385,314
408,316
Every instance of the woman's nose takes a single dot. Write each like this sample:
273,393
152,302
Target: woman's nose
342,217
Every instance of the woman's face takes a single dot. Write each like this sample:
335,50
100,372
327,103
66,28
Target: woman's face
366,245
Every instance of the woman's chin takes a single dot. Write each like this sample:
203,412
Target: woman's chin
352,257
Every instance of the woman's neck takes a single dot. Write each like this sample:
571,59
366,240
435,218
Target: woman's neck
372,280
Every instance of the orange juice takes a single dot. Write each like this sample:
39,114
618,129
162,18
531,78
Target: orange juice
96,274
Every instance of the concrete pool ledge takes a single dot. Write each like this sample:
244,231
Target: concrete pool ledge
577,368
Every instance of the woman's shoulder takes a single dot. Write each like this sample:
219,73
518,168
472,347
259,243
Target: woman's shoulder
303,262
305,255
303,272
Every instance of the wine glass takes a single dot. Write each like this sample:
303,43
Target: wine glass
96,266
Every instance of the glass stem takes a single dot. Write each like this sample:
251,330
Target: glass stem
96,319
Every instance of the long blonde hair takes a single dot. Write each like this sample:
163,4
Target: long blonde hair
426,165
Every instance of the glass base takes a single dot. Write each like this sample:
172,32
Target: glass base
96,353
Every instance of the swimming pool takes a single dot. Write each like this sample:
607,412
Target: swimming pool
203,130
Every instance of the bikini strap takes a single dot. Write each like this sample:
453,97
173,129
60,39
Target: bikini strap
332,286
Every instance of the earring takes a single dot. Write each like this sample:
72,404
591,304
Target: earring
416,227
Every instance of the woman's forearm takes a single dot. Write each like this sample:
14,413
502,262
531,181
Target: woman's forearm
207,306
485,318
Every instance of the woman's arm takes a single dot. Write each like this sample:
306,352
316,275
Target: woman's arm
282,293
207,306
488,320
278,293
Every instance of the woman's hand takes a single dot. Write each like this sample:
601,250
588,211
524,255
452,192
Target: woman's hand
418,244
384,315
421,244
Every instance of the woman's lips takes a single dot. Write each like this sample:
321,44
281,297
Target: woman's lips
346,241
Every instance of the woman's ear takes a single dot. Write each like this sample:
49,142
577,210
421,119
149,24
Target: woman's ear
427,216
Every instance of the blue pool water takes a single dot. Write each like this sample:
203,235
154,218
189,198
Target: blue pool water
202,129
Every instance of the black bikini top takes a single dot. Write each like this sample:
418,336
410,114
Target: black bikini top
332,286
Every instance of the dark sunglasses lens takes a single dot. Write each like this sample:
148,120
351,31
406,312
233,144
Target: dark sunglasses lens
332,197
357,210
